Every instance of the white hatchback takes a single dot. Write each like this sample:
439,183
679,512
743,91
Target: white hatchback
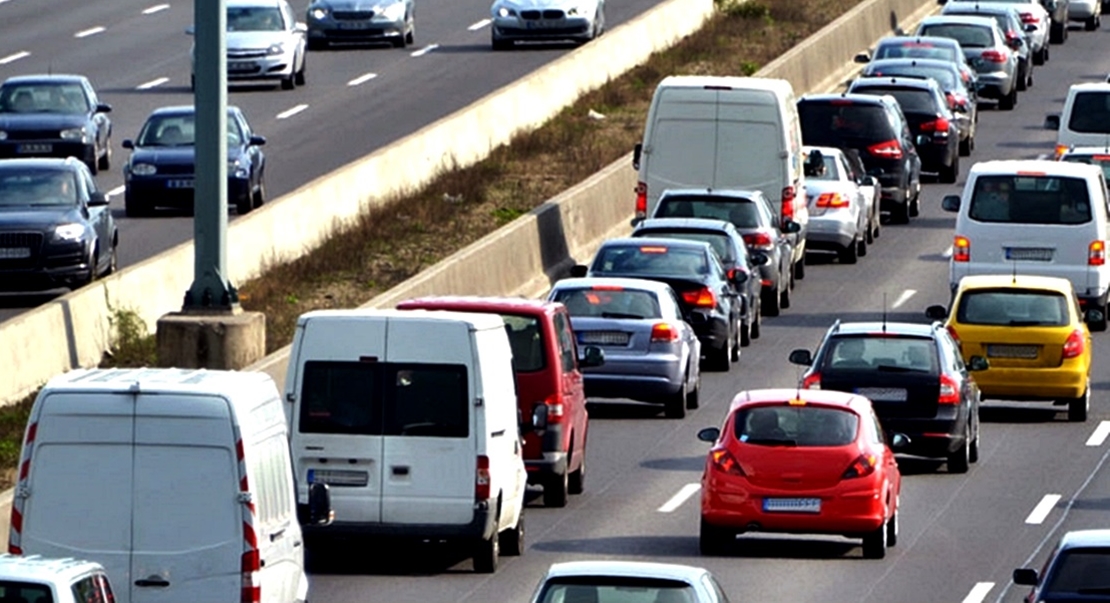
594,581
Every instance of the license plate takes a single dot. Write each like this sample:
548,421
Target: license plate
339,477
187,183
603,337
240,66
792,505
14,253
355,25
1031,254
35,148
542,24
1028,352
883,394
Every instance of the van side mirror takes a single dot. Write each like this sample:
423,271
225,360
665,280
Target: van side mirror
1094,315
936,312
759,258
899,441
709,434
257,140
977,363
1052,121
1025,576
737,277
539,418
862,58
801,357
637,151
950,203
791,227
128,144
97,199
578,270
592,356
320,512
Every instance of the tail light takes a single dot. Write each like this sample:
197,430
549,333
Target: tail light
1074,345
861,467
961,249
812,381
663,331
937,127
949,391
788,194
1030,19
889,149
1096,253
250,565
1061,149
701,298
832,201
723,461
759,240
641,199
951,98
995,56
555,408
955,336
481,478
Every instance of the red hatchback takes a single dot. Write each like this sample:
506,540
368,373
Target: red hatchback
549,388
800,461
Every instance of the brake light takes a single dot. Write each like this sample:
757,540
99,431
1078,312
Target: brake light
555,408
723,461
1061,150
1074,345
1030,19
861,467
481,479
889,149
250,565
788,194
832,200
758,240
701,298
641,199
662,331
949,391
961,249
812,381
995,56
938,127
1096,253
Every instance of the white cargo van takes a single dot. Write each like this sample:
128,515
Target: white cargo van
725,132
411,417
1085,121
179,482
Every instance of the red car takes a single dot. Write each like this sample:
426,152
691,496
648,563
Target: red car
800,461
549,386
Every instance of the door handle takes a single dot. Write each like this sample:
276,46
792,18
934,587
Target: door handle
278,534
498,433
156,581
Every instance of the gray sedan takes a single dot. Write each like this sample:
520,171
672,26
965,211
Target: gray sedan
358,21
549,20
651,353
992,57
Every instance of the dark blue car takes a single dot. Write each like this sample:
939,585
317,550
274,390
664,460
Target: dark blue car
54,116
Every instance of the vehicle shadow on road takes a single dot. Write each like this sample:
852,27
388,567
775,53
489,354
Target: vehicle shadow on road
617,409
11,301
754,546
404,559
1038,413
916,465
823,320
693,464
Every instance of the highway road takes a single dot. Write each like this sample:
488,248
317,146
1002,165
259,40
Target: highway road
136,54
961,534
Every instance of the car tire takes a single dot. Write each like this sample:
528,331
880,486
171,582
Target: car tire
1078,407
966,146
512,540
713,540
133,208
555,491
486,554
244,206
288,83
258,199
893,525
800,268
720,359
674,406
861,246
973,450
950,173
1092,23
104,163
1039,57
410,37
693,397
299,77
875,543
745,333
757,323
849,254
772,300
1008,102
1057,32
901,213
1023,78
877,226
1099,325
576,483
734,351
784,298
959,460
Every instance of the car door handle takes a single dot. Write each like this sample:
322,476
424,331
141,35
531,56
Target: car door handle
155,581
278,534
497,434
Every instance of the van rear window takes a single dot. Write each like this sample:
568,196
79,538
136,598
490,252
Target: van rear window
394,399
1018,199
11,590
743,213
1090,113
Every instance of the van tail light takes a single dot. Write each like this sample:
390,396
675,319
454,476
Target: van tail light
961,249
949,391
1030,19
759,240
250,565
555,408
812,381
832,201
889,149
700,298
1074,345
1096,253
995,56
955,336
938,127
861,467
641,199
663,331
788,194
482,479
722,460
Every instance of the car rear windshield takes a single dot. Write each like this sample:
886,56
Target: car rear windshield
1090,113
880,352
945,77
1027,199
807,425
1013,307
382,398
743,213
609,302
1084,571
836,123
912,100
718,240
969,36
915,50
527,341
651,259
831,171
11,590
616,589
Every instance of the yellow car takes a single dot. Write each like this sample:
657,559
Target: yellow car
1032,333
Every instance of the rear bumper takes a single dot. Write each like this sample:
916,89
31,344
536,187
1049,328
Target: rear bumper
553,464
995,84
830,233
1069,380
640,387
482,526
844,512
929,437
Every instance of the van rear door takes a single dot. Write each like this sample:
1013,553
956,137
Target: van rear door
751,153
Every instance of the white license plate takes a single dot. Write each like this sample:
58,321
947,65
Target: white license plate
35,148
187,183
339,477
883,394
15,253
240,66
1029,254
1027,352
355,25
543,24
792,505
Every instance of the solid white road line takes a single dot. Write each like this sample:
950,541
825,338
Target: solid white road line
115,191
291,112
676,501
425,50
479,25
905,297
362,79
1099,435
152,83
92,31
157,8
11,58
978,592
1043,508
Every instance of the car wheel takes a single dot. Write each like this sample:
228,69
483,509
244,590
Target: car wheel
104,162
757,323
486,553
1022,78
745,333
674,407
243,206
784,298
288,83
892,526
1039,57
734,350
901,213
713,540
849,254
958,460
299,77
1007,102
94,269
861,247
410,37
113,259
555,490
1100,325
950,173
259,196
877,226
973,451
512,540
693,397
132,208
1058,32
800,268
1077,407
772,300
576,484
965,146
400,41
875,543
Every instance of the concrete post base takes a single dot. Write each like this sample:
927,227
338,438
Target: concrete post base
219,339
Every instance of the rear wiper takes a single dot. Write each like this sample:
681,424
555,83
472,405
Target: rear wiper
620,315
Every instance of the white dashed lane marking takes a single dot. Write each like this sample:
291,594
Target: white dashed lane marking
157,8
115,191
291,112
905,297
425,50
152,83
92,31
1043,508
479,25
11,58
1099,435
676,501
362,79
978,592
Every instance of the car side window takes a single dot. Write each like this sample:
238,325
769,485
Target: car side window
877,435
568,351
90,94
714,588
88,590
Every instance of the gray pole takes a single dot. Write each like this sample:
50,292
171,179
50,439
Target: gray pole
210,289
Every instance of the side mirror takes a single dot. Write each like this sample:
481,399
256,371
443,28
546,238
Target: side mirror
1052,121
978,363
737,277
1030,28
709,434
578,270
257,140
791,227
300,27
862,57
636,152
870,181
97,199
128,144
759,258
1094,315
592,356
539,418
876,172
921,139
320,512
950,203
191,30
1026,576
801,357
936,312
103,108
1015,43
899,441
636,221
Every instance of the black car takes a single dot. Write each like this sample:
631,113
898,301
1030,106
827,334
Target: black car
55,116
1018,33
55,226
935,129
711,302
733,252
756,221
162,166
876,128
915,378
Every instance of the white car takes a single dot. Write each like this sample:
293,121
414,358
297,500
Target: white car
264,42
33,578
841,212
594,581
1087,11
550,20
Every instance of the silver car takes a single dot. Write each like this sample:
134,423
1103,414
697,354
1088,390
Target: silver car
651,353
361,21
1087,11
994,59
839,211
264,42
553,20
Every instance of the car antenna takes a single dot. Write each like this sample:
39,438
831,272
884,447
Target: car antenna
884,311
1013,273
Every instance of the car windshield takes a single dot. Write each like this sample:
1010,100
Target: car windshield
180,130
45,97
719,241
945,77
1013,307
527,342
1083,571
969,36
14,590
1102,161
1030,199
912,100
651,259
743,213
836,123
880,353
254,18
613,589
609,302
1090,113
790,425
37,187
916,50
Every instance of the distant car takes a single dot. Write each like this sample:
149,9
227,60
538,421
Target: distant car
1099,156
755,219
265,42
1075,570
1015,23
800,461
651,353
1031,330
710,301
1087,11
996,60
354,21
733,251
37,579
55,116
840,213
915,378
567,20
934,127
922,47
604,581
162,168
55,226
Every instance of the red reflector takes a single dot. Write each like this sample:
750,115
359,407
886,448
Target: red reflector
482,479
788,202
701,298
607,288
812,381
14,550
641,200
1024,173
840,102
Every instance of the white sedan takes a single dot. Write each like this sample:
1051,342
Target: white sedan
547,20
628,582
840,211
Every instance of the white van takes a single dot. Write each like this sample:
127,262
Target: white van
411,417
724,132
179,482
1085,121
1036,217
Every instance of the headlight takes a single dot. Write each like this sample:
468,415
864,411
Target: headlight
143,169
277,48
3,135
73,134
237,171
394,11
69,232
505,11
318,13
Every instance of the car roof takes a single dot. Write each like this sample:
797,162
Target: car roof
45,78
641,284
966,8
231,3
719,192
631,569
916,329
817,396
1085,538
1023,281
806,148
183,110
1090,86
958,19
475,303
165,380
661,241
44,569
723,226
869,99
726,81
1034,167
896,81
934,40
913,62
40,163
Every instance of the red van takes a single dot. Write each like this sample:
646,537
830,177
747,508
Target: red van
548,385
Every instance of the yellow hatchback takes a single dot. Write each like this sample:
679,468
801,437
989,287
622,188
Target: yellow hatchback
1033,334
